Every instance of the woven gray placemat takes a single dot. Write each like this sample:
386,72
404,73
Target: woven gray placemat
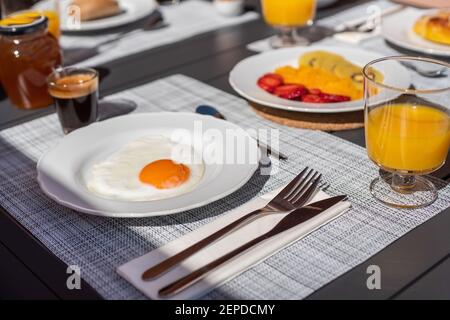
99,245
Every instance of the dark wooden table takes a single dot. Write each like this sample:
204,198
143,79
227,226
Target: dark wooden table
415,266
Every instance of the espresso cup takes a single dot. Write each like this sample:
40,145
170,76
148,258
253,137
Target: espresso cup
75,94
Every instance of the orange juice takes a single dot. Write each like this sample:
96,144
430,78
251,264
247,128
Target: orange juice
28,16
408,137
288,13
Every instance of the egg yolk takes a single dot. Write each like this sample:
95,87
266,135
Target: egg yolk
164,174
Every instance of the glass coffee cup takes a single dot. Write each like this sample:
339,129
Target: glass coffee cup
75,93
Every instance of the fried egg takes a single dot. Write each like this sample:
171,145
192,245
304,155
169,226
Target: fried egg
149,168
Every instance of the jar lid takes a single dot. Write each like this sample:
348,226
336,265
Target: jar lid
23,24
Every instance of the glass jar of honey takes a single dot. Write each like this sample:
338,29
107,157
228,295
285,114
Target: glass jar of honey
28,55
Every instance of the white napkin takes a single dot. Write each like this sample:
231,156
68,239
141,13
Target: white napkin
133,270
356,37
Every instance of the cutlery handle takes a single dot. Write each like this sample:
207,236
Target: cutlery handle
194,277
167,264
269,149
152,22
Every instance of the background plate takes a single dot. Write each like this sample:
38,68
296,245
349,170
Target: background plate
133,10
397,28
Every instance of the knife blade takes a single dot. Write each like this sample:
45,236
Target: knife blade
292,220
211,111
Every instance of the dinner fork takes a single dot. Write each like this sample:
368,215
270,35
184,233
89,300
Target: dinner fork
293,196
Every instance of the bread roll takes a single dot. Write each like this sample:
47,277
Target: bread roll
96,9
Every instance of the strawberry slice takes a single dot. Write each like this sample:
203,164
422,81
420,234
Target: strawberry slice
270,82
324,98
315,91
265,87
275,76
334,97
312,98
291,91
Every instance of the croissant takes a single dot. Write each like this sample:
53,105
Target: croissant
434,27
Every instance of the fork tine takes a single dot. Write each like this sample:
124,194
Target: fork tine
288,189
301,200
324,185
299,184
301,189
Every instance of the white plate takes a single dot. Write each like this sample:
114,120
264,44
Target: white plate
62,171
397,29
132,10
244,77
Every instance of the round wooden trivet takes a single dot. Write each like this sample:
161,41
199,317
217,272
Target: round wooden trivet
314,121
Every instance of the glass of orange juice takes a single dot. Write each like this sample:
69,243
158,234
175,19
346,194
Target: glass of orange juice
407,129
29,9
287,16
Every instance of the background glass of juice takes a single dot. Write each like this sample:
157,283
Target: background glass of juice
29,9
287,16
407,130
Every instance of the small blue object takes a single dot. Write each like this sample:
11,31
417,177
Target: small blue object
209,111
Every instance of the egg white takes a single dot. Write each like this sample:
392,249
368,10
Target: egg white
117,177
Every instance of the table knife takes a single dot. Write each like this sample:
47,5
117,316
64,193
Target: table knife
211,111
292,220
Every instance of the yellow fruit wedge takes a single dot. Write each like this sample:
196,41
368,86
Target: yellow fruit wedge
338,66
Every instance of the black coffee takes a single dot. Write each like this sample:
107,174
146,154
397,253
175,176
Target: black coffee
78,112
76,101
